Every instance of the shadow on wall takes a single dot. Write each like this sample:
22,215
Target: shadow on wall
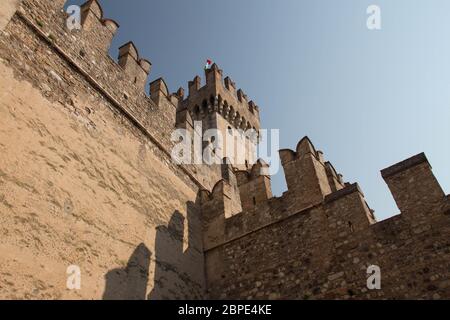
129,283
170,280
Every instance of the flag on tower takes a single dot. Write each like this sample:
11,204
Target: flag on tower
208,64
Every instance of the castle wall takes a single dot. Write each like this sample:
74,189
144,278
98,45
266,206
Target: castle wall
87,179
119,82
274,251
299,258
84,177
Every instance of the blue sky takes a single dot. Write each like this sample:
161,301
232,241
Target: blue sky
368,99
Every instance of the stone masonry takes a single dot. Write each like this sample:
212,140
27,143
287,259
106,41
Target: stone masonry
87,179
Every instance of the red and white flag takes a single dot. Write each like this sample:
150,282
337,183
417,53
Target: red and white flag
208,64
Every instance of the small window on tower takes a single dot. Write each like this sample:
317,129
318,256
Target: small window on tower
254,201
246,164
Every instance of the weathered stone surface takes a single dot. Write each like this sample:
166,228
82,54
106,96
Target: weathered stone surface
324,251
8,8
86,179
82,184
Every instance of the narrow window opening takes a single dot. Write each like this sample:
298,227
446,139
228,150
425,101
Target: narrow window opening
350,225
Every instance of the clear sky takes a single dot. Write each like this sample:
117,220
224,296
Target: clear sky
368,99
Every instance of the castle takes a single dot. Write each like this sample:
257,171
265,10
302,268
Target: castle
87,180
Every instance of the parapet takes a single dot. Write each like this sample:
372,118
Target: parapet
317,191
99,33
213,75
349,189
339,235
138,69
230,84
334,179
89,10
220,96
257,170
227,187
158,90
254,186
93,21
404,165
82,56
347,211
242,97
414,186
304,147
307,175
194,85
218,205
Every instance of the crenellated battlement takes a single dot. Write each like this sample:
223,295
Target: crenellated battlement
218,106
137,68
323,224
309,178
314,184
107,142
220,96
92,13
414,186
120,82
97,25
254,186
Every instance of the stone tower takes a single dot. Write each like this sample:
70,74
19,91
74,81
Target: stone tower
87,179
218,105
